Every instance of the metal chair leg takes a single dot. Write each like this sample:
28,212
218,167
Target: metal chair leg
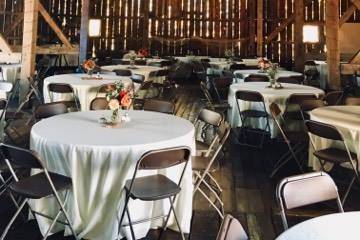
348,190
176,219
52,225
122,215
13,219
130,224
166,222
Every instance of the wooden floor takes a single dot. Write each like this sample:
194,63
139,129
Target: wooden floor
249,193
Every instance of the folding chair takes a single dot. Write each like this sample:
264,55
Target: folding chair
296,141
105,88
308,105
231,229
99,103
257,98
155,187
305,189
122,72
64,88
220,107
333,98
291,79
208,119
203,166
40,185
157,105
311,73
292,108
331,154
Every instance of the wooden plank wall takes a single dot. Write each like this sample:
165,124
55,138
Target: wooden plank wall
178,27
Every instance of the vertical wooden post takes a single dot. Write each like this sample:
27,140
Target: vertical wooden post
84,30
332,43
299,47
29,44
260,28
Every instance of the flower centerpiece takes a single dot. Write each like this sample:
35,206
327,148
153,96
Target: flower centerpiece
263,64
89,67
272,71
229,55
119,98
143,53
132,55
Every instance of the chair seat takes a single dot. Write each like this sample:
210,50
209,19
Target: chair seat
334,155
254,114
37,186
297,136
293,115
200,163
152,188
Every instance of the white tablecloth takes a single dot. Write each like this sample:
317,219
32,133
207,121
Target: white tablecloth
281,73
270,95
11,72
85,90
99,160
328,227
142,70
346,119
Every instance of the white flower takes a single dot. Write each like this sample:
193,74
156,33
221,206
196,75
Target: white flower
114,104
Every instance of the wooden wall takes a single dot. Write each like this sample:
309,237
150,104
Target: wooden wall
178,27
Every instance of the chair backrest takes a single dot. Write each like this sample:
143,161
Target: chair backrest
352,101
297,98
162,73
60,88
166,63
49,109
323,130
256,78
99,103
20,157
290,79
137,78
106,88
122,72
250,96
146,85
333,98
3,104
140,62
164,158
157,105
6,86
210,117
306,189
231,229
311,104
236,66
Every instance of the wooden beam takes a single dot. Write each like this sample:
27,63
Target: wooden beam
299,47
54,26
30,30
332,43
356,58
280,28
84,30
349,12
16,23
260,28
356,3
4,45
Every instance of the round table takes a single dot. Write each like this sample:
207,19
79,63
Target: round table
346,119
140,69
99,160
242,74
85,90
270,95
328,227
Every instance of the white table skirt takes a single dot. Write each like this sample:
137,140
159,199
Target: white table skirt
99,160
141,70
85,90
328,227
270,95
281,73
347,120
11,72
